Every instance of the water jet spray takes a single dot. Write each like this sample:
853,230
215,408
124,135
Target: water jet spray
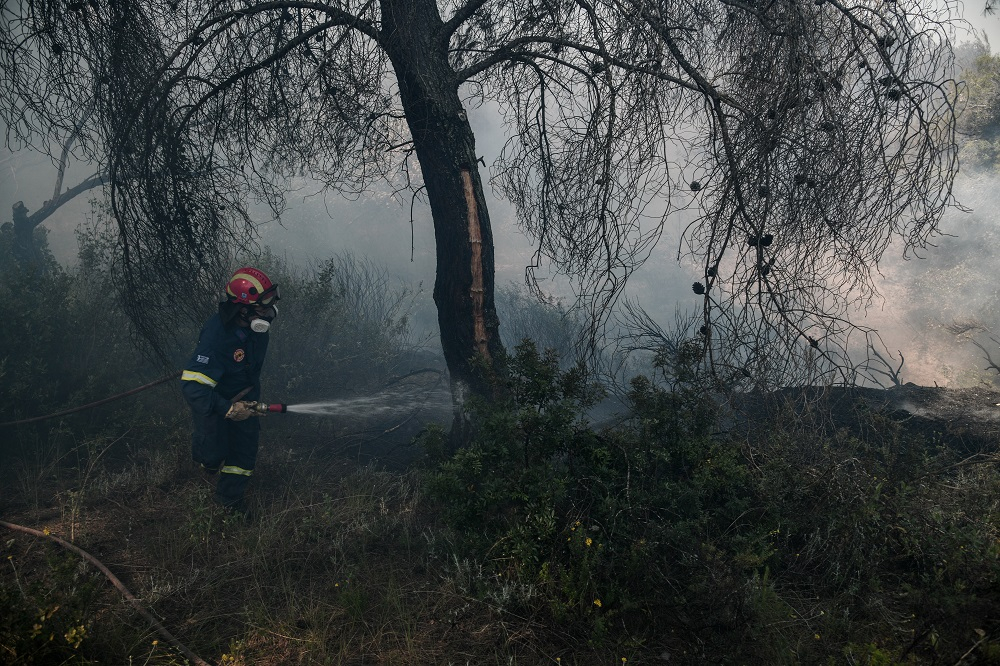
379,404
373,405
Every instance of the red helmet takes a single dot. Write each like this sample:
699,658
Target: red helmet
251,287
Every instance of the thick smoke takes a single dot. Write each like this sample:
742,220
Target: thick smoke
936,305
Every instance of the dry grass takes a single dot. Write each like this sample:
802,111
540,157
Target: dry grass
340,564
346,563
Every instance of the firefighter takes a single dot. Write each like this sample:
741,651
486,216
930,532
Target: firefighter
221,383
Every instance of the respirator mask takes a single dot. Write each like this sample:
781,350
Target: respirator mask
262,324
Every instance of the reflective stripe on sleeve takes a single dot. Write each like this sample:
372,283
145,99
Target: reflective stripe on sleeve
192,376
233,469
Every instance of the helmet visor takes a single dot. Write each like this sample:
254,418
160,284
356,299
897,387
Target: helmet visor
269,296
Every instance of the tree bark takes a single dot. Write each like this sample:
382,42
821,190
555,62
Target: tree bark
25,249
445,147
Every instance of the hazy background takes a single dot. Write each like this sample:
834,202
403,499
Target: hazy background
955,281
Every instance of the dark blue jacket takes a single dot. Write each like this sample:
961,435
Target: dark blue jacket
227,360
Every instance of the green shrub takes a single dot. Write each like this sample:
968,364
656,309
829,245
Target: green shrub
897,539
633,525
33,338
807,548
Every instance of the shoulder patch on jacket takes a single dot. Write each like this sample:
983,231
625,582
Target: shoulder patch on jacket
201,359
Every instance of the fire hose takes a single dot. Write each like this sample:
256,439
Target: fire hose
136,604
35,419
259,407
131,598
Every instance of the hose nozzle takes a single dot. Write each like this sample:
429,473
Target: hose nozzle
264,408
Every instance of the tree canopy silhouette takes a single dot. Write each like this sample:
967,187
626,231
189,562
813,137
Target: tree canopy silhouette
795,139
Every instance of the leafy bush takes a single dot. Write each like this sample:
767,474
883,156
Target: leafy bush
36,319
805,547
640,525
66,342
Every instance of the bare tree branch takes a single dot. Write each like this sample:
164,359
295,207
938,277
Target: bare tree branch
68,195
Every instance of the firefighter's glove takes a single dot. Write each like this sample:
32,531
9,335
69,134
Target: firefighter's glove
241,410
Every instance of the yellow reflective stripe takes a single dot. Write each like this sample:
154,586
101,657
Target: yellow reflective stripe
233,469
246,276
192,376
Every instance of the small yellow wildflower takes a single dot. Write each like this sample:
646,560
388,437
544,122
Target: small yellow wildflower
597,602
156,642
46,531
589,541
75,635
816,636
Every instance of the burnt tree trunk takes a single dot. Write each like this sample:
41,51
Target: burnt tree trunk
26,250
445,147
